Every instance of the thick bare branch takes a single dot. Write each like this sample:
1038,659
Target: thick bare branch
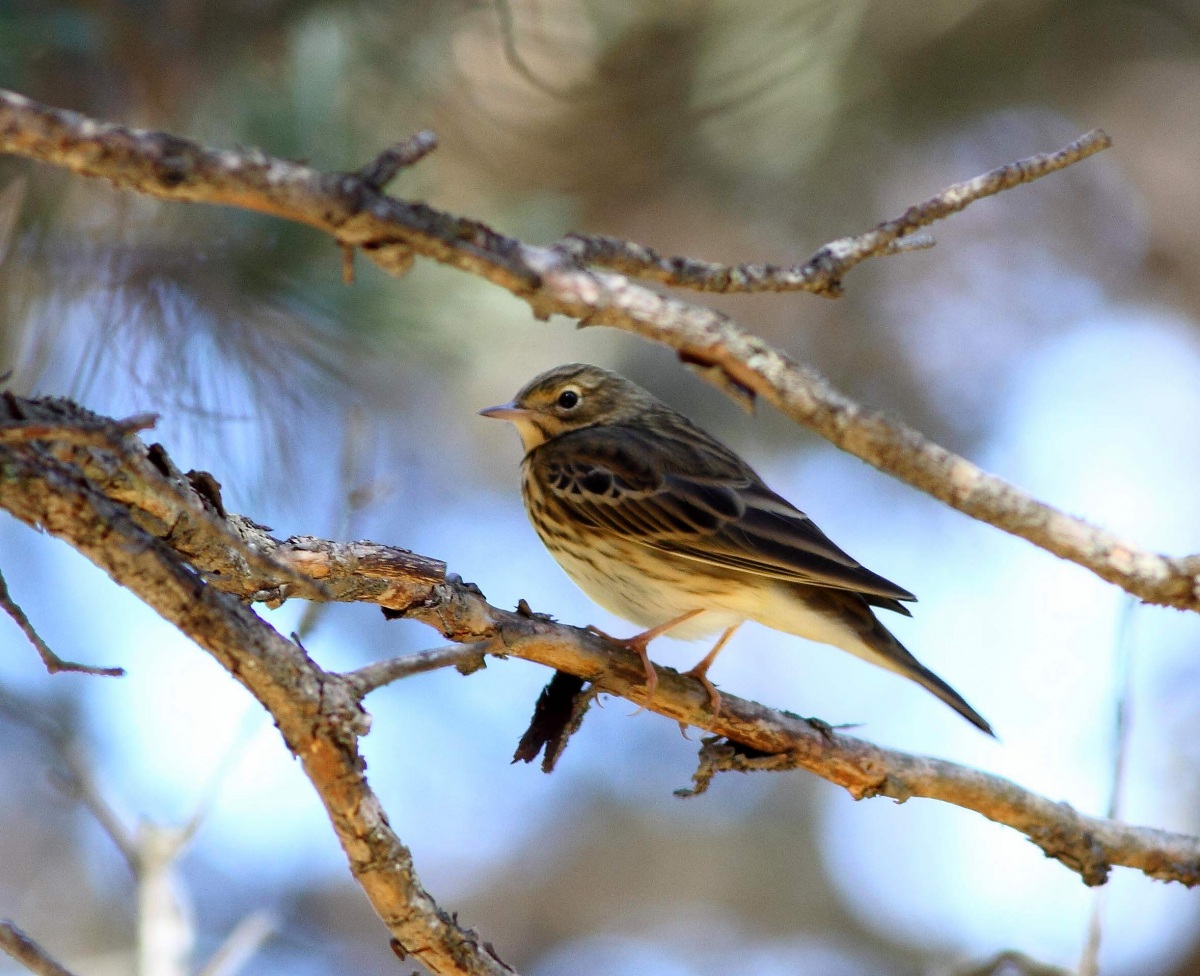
1087,845
28,953
101,435
186,511
319,713
390,231
316,713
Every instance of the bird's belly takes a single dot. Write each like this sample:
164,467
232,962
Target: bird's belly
664,589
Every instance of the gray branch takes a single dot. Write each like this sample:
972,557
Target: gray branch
552,280
320,714
28,953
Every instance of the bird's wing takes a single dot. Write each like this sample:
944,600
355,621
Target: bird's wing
692,497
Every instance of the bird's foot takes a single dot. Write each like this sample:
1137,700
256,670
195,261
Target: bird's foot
700,671
714,696
637,644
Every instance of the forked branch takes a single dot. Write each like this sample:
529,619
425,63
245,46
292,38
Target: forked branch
320,716
822,273
167,537
357,214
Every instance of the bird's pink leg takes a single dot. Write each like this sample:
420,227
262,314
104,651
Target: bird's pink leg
638,643
700,671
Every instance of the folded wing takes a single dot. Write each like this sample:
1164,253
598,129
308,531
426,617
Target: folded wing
690,496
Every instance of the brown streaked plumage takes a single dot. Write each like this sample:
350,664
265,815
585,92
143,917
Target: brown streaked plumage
663,525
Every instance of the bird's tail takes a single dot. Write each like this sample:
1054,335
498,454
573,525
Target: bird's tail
896,657
902,662
872,641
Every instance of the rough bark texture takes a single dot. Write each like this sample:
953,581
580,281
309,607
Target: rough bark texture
317,713
167,537
195,578
554,281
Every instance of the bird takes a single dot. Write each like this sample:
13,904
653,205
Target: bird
661,524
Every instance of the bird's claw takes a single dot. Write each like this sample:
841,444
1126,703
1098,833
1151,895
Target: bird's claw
714,696
637,644
651,678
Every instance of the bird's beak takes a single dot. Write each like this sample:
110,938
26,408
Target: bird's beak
505,411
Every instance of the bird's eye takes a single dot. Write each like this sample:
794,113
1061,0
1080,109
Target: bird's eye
568,399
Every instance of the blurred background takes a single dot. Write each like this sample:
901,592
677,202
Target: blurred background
1052,336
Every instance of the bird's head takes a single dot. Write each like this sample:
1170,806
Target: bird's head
568,398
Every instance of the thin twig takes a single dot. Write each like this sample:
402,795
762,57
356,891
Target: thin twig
54,664
467,658
28,953
240,945
830,263
151,852
81,782
407,152
1089,962
76,776
643,262
822,273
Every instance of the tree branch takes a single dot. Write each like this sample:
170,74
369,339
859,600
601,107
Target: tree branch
165,933
467,658
240,945
320,716
54,664
391,231
129,510
407,152
316,712
28,953
822,273
76,777
1087,845
99,435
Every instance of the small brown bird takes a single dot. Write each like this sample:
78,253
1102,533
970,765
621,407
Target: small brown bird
663,525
